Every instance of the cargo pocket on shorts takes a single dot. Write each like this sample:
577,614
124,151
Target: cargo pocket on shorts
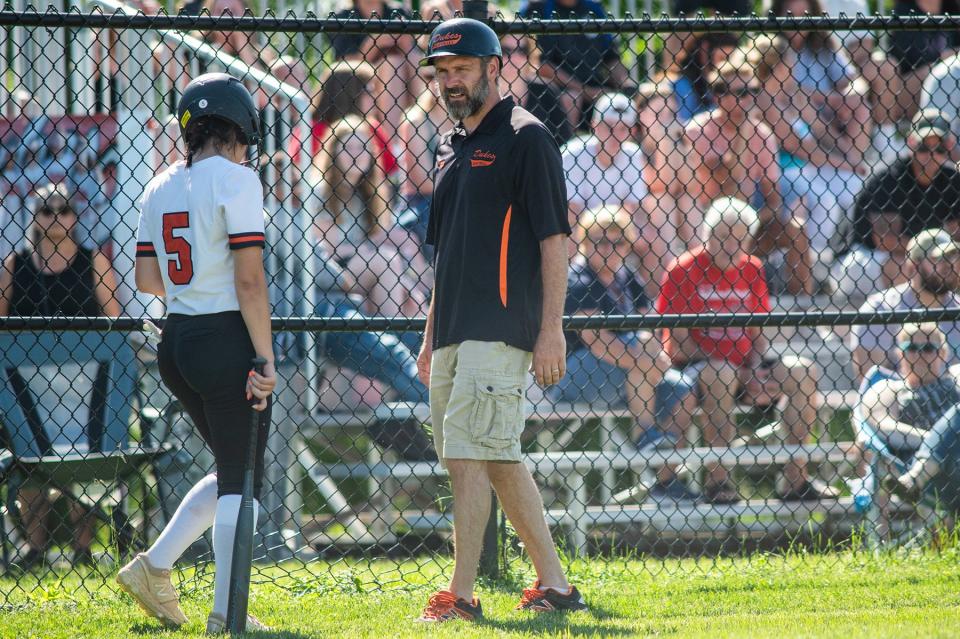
497,420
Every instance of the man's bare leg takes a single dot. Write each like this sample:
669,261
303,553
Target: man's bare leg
471,510
523,505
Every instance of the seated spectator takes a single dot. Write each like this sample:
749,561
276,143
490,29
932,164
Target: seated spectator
394,58
607,168
923,187
54,275
821,67
872,62
772,59
935,263
727,364
618,368
419,138
659,132
916,52
730,152
689,61
940,91
935,469
346,89
582,66
904,410
373,356
834,166
519,78
865,271
353,220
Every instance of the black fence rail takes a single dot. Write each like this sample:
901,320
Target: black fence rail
762,316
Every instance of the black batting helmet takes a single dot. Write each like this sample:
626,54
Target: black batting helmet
462,36
218,95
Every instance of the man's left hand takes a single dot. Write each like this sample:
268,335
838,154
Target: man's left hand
549,357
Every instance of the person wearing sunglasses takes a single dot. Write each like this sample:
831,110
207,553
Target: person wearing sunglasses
54,275
608,168
620,368
904,409
924,186
934,262
732,152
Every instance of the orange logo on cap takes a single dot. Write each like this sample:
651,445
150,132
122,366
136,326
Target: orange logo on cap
446,40
482,158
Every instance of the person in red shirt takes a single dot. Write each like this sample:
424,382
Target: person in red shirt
727,364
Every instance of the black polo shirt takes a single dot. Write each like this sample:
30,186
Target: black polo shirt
895,189
498,192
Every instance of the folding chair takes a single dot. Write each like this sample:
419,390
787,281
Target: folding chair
106,457
869,499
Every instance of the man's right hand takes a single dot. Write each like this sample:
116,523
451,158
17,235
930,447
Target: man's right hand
423,363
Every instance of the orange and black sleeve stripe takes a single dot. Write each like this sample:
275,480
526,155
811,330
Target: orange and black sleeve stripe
145,249
246,240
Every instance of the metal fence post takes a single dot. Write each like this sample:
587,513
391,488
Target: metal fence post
476,9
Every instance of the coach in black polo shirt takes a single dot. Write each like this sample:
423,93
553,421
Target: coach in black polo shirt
498,222
924,188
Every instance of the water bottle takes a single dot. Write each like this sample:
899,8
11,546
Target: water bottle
862,490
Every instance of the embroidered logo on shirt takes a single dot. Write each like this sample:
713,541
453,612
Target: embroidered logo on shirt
482,158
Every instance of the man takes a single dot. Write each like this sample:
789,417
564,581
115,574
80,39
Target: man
731,153
919,419
582,66
722,277
924,187
864,271
608,168
904,410
611,368
940,91
935,259
498,223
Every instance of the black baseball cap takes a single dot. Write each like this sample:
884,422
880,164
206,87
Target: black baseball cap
462,36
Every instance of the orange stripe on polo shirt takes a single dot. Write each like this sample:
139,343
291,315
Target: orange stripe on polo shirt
504,244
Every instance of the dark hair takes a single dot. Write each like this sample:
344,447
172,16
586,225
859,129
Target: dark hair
199,132
816,40
342,86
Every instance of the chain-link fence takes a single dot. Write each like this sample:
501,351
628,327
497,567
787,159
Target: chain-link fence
760,340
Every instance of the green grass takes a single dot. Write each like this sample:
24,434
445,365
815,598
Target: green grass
831,595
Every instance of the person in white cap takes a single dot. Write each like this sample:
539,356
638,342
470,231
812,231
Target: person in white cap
608,169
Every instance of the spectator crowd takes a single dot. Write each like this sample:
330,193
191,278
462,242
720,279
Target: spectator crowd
744,167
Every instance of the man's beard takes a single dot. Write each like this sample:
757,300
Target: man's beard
473,103
936,285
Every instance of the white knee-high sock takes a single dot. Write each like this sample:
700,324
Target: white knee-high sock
224,531
193,517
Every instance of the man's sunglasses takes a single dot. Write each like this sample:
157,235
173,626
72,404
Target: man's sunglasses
739,92
914,347
935,150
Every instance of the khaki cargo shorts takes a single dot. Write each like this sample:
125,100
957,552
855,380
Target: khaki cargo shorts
477,401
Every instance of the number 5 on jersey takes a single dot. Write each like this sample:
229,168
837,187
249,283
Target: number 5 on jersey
180,270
